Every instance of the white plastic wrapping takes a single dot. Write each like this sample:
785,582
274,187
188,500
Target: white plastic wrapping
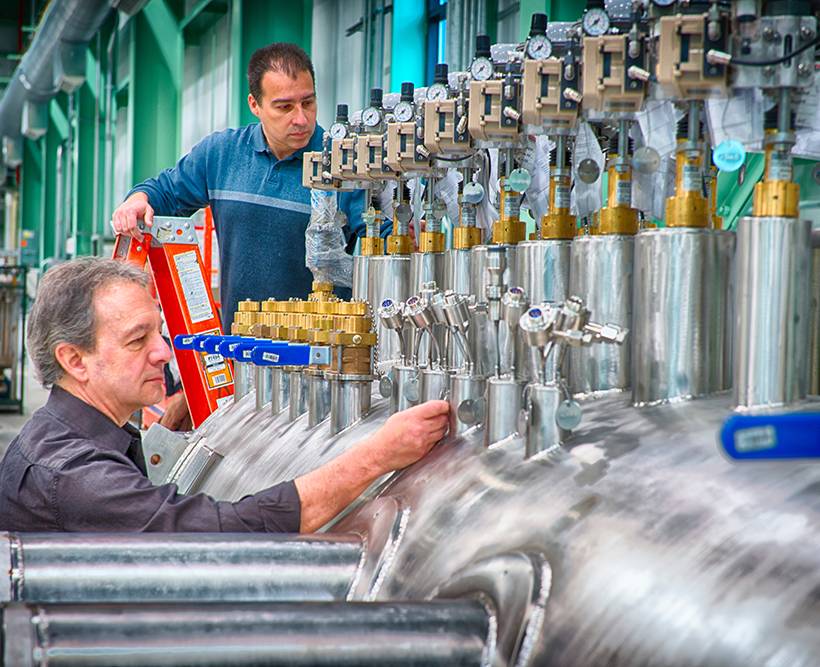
447,191
739,118
325,254
808,123
586,198
537,162
486,212
659,123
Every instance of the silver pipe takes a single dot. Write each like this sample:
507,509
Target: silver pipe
262,382
434,384
466,396
358,633
814,372
174,568
503,406
318,396
350,398
298,403
543,434
388,278
405,387
280,390
773,311
243,379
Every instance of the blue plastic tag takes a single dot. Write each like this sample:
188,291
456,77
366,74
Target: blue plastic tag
729,155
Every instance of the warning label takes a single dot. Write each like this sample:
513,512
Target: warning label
194,291
217,372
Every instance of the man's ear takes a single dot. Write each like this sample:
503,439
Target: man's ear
73,361
253,105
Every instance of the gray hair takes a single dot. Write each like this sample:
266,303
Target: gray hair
64,311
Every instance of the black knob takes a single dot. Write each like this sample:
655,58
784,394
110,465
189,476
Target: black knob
376,97
683,128
538,24
441,73
482,46
407,90
341,113
596,4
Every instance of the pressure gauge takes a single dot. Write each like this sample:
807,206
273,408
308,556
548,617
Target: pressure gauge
481,69
437,92
371,117
403,112
596,22
664,3
338,131
539,47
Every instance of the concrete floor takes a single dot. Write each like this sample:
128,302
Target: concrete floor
34,397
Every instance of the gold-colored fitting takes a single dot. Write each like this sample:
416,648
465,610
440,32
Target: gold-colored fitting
618,217
271,306
558,226
776,195
372,246
399,244
352,308
238,329
320,286
465,238
247,306
431,242
688,207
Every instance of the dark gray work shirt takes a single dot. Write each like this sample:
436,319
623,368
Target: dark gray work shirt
72,469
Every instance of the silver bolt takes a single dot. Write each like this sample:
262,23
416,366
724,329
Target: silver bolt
768,33
806,33
768,71
803,69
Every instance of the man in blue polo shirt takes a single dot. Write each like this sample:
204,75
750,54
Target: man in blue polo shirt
252,179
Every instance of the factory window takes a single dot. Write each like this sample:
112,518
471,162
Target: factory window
436,36
507,26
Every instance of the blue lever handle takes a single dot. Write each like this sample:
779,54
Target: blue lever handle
210,343
227,348
290,355
777,436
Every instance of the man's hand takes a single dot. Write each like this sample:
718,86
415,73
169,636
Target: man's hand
125,217
403,440
177,417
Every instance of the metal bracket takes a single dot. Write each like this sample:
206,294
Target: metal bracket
168,230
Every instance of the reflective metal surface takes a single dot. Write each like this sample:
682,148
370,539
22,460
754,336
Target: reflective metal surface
298,403
503,408
814,347
457,271
434,384
773,311
679,310
442,632
543,269
349,402
389,278
243,379
469,389
601,274
152,567
405,387
318,396
542,401
279,390
427,267
263,385
478,265
360,277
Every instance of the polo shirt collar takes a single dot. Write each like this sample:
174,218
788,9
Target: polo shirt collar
260,145
86,420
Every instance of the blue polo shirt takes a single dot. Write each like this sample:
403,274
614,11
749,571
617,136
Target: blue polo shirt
260,211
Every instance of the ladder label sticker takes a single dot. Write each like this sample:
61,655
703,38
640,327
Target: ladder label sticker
194,290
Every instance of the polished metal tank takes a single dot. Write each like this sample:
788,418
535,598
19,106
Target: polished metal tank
388,278
543,269
426,268
601,274
263,383
478,265
679,315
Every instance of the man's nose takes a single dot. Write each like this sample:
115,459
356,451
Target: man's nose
299,117
161,352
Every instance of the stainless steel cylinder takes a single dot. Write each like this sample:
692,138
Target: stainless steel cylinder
457,265
542,430
432,633
405,390
428,267
279,389
262,381
773,311
298,403
503,407
679,327
601,274
543,270
173,568
434,384
726,244
243,379
350,398
478,264
360,278
466,388
318,396
388,278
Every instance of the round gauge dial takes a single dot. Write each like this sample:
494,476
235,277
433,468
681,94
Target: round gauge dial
371,117
664,3
481,69
596,22
539,47
436,92
403,112
338,131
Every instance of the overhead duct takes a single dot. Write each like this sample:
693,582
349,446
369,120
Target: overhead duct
54,62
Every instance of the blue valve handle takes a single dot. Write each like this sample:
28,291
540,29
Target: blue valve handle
766,437
188,341
243,351
227,348
210,343
290,355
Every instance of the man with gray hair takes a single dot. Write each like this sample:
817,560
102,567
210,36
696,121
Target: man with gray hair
77,465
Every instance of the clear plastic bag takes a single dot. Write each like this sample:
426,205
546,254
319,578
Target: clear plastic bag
586,198
325,242
537,162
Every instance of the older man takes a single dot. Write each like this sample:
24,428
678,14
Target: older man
77,465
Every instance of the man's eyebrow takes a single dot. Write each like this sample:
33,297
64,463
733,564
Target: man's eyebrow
278,100
136,329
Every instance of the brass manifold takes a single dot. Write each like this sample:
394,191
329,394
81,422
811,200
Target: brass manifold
688,207
776,195
558,224
618,217
508,229
465,238
346,326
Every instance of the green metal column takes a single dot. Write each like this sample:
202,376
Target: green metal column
31,197
256,23
408,43
156,82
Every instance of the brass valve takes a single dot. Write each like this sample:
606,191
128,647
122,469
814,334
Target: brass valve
618,216
559,223
776,195
688,207
509,229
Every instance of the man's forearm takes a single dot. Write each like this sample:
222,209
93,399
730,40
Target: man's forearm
327,490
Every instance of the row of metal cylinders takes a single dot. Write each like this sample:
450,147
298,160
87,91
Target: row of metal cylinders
149,599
